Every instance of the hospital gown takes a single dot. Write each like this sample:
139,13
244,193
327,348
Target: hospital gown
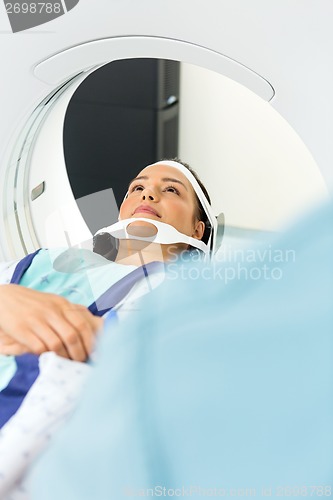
81,277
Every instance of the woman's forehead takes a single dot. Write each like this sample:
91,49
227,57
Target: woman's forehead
164,171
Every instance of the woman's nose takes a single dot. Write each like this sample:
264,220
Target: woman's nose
149,194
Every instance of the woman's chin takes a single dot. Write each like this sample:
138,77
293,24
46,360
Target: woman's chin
142,228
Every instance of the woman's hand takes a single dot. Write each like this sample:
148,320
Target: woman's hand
37,322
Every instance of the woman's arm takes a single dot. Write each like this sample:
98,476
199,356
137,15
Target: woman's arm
32,321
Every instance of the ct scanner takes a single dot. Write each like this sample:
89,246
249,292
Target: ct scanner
280,51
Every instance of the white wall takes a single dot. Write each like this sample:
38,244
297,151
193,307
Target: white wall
257,170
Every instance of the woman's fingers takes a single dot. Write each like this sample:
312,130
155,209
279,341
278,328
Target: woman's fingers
10,346
86,324
28,341
48,337
76,329
38,322
13,350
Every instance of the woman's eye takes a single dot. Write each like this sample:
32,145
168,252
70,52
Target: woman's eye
136,188
172,189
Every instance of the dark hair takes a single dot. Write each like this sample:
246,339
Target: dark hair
201,214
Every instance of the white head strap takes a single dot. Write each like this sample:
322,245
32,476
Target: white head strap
167,234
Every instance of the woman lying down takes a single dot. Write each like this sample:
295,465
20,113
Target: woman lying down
53,302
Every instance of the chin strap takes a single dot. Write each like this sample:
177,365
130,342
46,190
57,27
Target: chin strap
165,235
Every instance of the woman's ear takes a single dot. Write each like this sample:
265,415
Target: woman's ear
199,230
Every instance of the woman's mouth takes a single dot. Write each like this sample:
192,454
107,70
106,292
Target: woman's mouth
145,209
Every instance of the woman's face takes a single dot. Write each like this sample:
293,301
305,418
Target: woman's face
163,193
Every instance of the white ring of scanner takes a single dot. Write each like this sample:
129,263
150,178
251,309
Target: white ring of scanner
65,71
58,68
